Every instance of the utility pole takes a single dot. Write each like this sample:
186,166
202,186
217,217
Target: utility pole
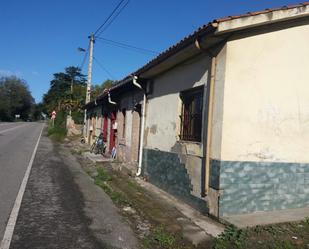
89,79
71,99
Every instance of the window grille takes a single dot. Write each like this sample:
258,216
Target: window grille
191,116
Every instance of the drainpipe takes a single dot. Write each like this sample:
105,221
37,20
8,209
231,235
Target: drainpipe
139,170
209,113
110,101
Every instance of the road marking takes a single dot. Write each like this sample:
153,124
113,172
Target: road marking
9,230
13,128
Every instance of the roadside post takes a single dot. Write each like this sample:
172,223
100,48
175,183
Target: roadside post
53,116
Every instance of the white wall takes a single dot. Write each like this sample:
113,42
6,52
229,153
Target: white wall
164,106
266,97
218,98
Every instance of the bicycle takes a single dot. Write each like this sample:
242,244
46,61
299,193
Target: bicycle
98,146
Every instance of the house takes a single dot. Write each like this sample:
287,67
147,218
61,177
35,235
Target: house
222,116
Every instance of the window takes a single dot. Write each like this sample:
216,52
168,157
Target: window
191,116
123,123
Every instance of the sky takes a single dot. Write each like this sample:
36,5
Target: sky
41,37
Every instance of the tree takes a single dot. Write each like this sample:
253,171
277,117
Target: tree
99,89
59,96
38,111
15,98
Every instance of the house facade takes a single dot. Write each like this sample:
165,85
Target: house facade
220,120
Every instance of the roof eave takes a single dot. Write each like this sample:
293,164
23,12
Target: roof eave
262,18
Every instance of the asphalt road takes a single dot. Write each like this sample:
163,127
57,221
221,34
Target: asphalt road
61,206
17,142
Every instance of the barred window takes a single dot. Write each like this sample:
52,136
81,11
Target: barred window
191,116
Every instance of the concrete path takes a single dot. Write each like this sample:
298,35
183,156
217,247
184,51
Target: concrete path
97,158
62,208
17,142
266,218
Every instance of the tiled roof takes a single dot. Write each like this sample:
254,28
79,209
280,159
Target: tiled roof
255,13
207,28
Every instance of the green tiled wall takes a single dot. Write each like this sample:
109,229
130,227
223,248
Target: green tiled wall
260,186
165,170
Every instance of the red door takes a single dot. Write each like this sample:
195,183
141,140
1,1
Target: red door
112,140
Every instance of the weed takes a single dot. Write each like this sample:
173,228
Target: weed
103,175
161,238
283,245
165,239
133,185
102,180
232,237
258,229
271,229
307,221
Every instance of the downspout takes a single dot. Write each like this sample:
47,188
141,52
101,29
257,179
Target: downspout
209,113
110,101
209,118
140,157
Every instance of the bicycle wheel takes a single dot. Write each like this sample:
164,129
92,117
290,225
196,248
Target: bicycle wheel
96,149
92,147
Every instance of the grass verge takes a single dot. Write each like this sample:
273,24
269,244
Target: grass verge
57,129
289,235
158,236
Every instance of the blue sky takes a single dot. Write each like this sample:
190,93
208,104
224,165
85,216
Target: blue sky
39,38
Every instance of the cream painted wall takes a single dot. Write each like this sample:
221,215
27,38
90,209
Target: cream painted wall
266,97
128,131
164,105
218,98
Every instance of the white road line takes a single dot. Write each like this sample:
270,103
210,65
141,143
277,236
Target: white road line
13,128
9,230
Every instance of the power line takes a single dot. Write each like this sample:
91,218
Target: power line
114,17
83,61
127,46
81,65
110,16
104,69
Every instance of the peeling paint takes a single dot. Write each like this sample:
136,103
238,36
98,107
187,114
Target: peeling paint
153,129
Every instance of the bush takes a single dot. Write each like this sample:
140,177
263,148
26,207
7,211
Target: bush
78,117
58,131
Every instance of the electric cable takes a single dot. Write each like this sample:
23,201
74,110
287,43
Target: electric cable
103,68
127,46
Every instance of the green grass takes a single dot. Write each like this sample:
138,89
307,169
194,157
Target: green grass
232,237
289,235
57,130
102,180
160,238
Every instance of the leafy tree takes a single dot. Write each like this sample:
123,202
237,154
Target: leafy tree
99,89
67,91
15,98
37,111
